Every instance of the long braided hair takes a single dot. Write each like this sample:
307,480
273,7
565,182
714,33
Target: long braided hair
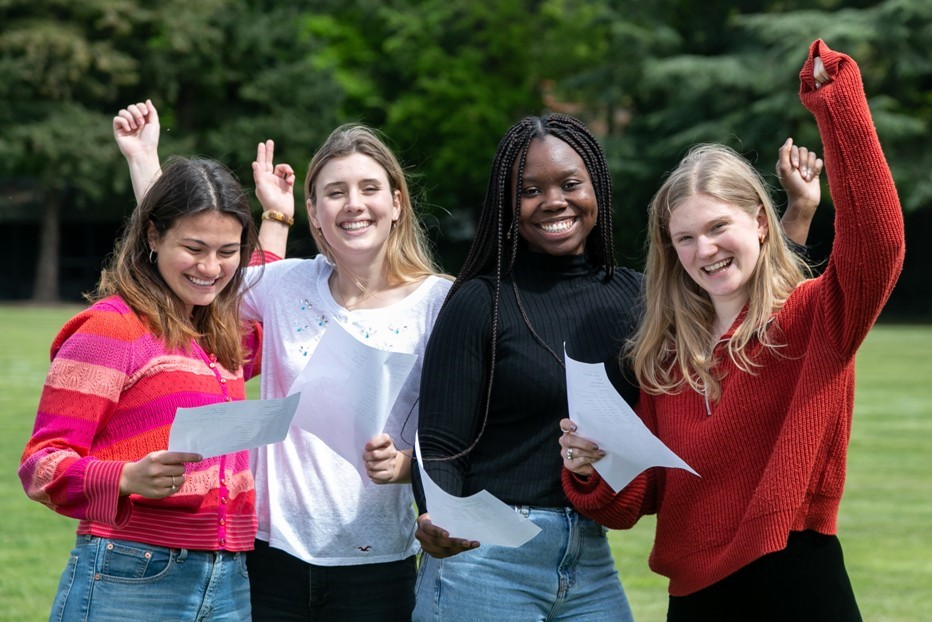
495,245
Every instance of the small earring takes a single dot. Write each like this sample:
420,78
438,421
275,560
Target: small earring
761,238
152,256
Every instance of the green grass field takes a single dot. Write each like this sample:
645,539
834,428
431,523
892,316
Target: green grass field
884,524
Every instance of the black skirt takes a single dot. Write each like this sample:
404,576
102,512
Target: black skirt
805,581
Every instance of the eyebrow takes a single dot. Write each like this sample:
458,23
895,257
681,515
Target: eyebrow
368,180
203,243
574,171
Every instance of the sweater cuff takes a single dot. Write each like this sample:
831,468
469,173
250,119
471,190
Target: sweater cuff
102,488
590,493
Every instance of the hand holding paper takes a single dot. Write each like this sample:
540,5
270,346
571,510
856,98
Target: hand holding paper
603,416
348,391
480,517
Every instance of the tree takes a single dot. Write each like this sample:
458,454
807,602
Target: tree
224,73
52,72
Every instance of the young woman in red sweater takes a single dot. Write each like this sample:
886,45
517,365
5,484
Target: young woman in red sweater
747,372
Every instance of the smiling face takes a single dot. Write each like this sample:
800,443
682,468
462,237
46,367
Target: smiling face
558,206
354,207
198,256
718,245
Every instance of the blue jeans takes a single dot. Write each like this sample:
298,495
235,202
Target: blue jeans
566,572
118,580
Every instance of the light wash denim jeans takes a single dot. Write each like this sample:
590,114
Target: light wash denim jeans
118,580
566,572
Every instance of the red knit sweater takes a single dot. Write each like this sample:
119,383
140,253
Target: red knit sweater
772,452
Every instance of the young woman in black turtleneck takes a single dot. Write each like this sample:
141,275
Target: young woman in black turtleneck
493,386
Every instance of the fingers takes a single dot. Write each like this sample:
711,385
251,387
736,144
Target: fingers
265,163
437,542
157,475
793,158
785,158
379,456
816,166
135,115
285,172
153,114
578,453
379,441
175,457
819,73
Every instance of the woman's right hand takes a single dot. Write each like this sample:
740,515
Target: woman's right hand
136,130
578,453
437,542
157,475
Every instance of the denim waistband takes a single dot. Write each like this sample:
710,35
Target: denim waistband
180,554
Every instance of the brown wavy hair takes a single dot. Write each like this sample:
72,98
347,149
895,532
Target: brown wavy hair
186,187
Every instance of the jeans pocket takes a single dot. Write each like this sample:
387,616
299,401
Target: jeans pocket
241,565
125,561
64,589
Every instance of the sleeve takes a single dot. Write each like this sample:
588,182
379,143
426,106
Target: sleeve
869,246
454,383
594,498
252,349
90,363
262,257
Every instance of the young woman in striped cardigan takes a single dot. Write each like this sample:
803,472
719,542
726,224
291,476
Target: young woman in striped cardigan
160,534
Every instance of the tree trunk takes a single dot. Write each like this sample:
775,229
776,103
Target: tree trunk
45,287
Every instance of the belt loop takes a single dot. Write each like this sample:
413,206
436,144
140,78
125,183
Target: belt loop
182,555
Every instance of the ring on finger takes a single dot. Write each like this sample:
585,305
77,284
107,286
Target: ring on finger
174,487
569,454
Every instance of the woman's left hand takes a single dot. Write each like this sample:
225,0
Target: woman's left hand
384,463
578,453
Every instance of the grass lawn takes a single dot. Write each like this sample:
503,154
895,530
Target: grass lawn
884,522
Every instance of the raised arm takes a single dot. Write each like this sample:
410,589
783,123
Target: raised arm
868,248
136,130
275,191
798,171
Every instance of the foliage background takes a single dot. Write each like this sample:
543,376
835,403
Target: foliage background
443,79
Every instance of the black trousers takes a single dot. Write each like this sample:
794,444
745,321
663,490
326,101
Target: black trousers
806,581
284,588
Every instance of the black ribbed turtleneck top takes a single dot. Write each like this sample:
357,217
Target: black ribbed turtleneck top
518,458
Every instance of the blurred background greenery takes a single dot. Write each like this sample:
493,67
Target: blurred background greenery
443,79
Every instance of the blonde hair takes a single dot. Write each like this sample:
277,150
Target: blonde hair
407,256
673,345
186,188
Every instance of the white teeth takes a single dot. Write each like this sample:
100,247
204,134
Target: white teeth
558,226
200,282
717,266
355,225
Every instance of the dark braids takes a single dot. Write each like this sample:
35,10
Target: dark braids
497,227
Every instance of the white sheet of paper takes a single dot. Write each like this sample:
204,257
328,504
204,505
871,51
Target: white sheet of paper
603,416
347,392
226,427
480,517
